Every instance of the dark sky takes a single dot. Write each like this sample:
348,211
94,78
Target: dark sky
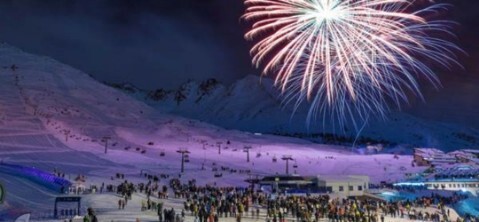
150,43
163,43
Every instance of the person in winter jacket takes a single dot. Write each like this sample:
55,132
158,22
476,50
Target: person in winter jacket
90,217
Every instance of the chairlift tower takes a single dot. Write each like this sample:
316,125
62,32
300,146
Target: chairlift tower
246,150
287,158
105,139
219,147
183,153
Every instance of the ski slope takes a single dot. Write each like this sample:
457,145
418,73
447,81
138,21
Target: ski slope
53,116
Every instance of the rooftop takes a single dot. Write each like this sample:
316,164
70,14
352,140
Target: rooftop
284,178
428,151
343,178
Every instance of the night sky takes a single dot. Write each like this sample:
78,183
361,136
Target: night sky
163,43
150,43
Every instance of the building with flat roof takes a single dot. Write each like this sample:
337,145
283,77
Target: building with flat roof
432,157
451,184
347,185
350,185
466,156
287,182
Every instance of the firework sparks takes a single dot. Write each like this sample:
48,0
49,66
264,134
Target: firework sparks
349,58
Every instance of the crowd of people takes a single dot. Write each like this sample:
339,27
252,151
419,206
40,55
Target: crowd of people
208,204
211,203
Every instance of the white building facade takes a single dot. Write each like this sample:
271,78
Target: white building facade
465,185
351,185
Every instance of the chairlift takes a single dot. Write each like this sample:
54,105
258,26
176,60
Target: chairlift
218,174
162,153
295,165
274,159
258,155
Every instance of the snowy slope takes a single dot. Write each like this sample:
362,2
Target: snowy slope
252,104
53,116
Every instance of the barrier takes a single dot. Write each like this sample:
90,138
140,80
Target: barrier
43,178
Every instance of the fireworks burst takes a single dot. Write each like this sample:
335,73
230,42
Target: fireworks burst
349,58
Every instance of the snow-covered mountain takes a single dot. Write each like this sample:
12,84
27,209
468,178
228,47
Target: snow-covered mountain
252,104
55,117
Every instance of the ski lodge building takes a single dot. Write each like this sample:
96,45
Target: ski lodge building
434,157
351,185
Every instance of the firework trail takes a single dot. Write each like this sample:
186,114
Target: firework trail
349,58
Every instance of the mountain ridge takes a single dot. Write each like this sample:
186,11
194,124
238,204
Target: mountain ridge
253,104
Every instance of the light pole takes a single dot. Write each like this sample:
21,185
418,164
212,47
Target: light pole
246,149
106,138
287,158
183,151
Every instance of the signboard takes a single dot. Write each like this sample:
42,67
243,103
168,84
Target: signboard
2,193
66,199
